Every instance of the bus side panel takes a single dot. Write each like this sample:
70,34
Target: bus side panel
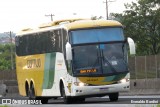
30,68
57,64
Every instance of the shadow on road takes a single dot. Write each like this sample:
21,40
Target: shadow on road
91,101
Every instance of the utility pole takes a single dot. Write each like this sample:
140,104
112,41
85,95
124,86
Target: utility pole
50,15
107,1
10,34
107,9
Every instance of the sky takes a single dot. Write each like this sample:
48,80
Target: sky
16,15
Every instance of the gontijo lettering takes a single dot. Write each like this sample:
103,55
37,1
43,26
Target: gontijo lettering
33,63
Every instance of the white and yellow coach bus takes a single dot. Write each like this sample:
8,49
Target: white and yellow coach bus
73,59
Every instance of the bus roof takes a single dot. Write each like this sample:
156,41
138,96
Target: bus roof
91,23
70,24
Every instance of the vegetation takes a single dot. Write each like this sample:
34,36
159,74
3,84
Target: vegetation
4,106
5,56
142,23
96,17
158,105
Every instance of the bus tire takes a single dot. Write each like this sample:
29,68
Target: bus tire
114,96
27,89
66,100
32,93
33,97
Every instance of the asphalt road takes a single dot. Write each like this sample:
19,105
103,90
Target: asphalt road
124,101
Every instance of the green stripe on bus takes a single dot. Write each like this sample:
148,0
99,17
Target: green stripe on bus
46,71
114,77
119,77
49,70
52,70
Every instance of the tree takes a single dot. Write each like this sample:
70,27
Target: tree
141,21
5,56
96,17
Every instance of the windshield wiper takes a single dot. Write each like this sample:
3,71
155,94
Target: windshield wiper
112,68
97,59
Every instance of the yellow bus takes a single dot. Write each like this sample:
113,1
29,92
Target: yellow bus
73,59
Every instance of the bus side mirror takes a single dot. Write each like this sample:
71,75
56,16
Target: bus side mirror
68,51
132,46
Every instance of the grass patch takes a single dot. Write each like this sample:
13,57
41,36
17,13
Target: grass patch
158,105
4,106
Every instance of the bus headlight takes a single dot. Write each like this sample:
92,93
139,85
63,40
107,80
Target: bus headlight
124,80
80,84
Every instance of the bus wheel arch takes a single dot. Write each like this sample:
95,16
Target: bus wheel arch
61,85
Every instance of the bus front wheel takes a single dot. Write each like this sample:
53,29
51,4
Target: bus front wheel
63,94
113,96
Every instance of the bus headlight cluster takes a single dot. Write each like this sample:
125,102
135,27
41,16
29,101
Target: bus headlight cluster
124,80
80,84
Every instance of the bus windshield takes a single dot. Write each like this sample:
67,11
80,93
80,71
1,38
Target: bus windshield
96,35
104,57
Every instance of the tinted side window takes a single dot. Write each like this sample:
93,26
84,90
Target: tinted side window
38,43
65,40
21,48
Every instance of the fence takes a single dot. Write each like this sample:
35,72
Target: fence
141,67
145,67
8,75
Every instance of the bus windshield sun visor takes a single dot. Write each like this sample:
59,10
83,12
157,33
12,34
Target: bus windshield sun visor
96,35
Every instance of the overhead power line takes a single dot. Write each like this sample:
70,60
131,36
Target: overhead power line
50,15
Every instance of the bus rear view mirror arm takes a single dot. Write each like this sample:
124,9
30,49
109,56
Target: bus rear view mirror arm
68,51
131,46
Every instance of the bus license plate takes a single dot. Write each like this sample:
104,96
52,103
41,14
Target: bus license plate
103,89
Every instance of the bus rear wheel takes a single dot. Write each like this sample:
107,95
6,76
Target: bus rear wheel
113,96
33,97
31,92
27,89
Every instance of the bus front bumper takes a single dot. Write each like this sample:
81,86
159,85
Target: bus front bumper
100,90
